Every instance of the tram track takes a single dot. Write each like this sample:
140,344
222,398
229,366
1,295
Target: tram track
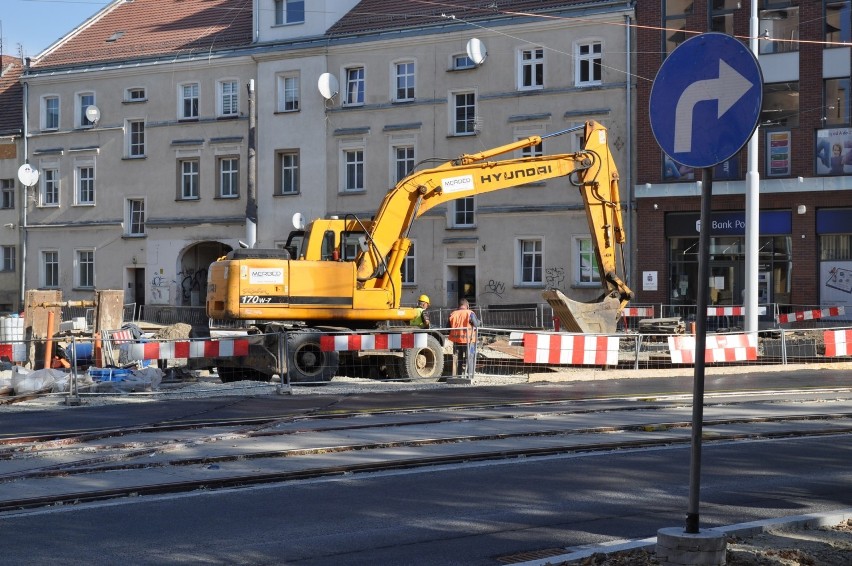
61,467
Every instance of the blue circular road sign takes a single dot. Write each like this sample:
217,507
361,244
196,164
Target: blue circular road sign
705,100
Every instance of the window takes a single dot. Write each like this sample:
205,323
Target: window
9,255
135,221
288,173
49,187
136,95
722,15
188,179
288,93
674,23
289,12
837,21
188,101
588,67
780,105
461,62
404,81
135,138
7,193
536,150
229,177
463,216
587,271
531,257
50,269
408,273
531,68
50,113
464,113
85,269
837,102
85,184
781,21
353,179
84,100
229,98
403,159
354,86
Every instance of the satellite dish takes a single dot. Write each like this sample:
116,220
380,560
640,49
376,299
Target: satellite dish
476,51
298,221
27,175
328,85
93,114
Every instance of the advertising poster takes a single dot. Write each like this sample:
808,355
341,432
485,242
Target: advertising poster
834,151
836,285
778,154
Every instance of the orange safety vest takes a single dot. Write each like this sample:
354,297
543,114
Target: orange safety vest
461,327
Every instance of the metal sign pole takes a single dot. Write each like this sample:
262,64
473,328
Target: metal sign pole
700,348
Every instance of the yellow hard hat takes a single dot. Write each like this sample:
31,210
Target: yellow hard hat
424,298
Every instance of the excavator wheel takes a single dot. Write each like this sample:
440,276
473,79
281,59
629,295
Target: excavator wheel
306,362
423,364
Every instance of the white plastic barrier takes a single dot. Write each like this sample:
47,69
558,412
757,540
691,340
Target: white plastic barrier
576,349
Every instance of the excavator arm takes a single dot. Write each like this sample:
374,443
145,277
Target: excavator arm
592,170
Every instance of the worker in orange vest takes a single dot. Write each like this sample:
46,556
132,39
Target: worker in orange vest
463,324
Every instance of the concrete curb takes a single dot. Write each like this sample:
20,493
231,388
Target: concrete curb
793,522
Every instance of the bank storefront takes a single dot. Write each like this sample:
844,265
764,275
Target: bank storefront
727,257
834,230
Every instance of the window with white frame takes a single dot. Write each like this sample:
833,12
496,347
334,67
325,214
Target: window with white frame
50,268
588,63
85,182
289,12
229,98
7,193
463,212
403,162
135,220
530,254
9,255
536,150
463,113
50,113
288,172
353,169
135,132
229,177
135,94
531,68
189,179
354,86
84,100
404,72
49,186
462,62
288,93
188,96
408,265
586,270
85,272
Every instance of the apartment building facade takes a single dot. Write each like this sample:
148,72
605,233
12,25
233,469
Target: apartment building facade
804,137
11,142
139,128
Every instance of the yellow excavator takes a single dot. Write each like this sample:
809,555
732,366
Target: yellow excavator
345,274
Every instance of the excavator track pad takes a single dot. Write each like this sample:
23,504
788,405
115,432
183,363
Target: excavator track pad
598,317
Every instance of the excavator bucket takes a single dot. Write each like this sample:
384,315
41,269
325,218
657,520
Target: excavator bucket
598,317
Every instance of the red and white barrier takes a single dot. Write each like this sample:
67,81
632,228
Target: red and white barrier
14,352
187,349
837,342
638,311
811,314
718,348
577,349
399,341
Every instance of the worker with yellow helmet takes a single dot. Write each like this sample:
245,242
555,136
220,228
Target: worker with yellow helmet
422,318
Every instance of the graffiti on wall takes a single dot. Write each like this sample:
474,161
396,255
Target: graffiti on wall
494,288
554,278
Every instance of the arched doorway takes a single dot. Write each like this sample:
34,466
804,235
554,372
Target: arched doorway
192,271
